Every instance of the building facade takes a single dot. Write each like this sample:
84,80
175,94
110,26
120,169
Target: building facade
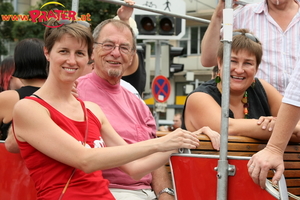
191,41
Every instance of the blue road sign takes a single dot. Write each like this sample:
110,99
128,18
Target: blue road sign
161,88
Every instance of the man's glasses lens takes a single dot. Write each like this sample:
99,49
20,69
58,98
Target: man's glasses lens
110,47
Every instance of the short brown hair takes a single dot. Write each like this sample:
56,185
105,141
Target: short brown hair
242,42
78,31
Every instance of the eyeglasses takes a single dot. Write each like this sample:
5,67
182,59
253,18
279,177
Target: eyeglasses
67,21
248,35
109,46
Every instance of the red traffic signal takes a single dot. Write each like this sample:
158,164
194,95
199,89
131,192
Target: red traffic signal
158,25
146,24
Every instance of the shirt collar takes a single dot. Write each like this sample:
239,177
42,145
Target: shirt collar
102,83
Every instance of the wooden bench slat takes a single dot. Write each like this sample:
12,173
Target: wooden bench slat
293,182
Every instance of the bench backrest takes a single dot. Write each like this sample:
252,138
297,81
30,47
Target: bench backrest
244,146
194,178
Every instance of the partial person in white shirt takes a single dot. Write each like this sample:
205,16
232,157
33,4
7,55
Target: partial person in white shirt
271,157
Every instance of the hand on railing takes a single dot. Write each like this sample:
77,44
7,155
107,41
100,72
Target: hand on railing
267,122
213,135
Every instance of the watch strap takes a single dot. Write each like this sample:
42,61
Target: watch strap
169,191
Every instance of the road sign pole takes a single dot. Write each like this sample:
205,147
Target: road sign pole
147,63
75,5
157,72
165,60
157,57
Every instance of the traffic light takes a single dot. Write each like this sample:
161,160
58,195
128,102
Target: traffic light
166,25
141,49
176,51
158,25
146,24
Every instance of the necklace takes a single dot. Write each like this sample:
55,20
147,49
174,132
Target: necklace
246,104
244,101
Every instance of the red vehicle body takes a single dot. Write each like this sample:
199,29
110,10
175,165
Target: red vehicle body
195,178
15,181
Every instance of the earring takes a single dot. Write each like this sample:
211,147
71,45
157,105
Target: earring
253,83
218,78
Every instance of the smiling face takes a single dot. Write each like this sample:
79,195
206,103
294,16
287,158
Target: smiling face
111,64
246,54
242,70
67,58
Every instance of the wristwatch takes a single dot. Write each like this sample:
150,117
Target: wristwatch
166,190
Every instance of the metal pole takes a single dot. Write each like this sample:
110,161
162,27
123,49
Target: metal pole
157,72
147,66
157,11
157,57
223,162
75,4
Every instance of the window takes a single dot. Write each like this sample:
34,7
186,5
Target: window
191,41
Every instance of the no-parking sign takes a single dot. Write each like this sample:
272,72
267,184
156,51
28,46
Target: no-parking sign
161,88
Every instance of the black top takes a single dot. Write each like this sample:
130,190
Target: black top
138,78
23,92
257,99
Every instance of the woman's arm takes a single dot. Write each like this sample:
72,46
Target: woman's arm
275,101
164,146
43,134
8,99
11,144
203,110
211,40
274,97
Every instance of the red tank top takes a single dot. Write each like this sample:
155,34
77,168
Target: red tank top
51,176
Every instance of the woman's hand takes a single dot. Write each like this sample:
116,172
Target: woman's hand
179,139
125,12
213,135
297,130
267,123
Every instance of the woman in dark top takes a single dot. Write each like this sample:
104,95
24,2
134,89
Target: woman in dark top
254,103
31,69
7,81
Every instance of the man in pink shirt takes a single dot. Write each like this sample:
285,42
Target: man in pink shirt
113,53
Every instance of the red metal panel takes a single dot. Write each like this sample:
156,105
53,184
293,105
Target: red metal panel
195,179
15,181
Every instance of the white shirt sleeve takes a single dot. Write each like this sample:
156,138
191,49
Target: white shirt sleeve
292,92
132,89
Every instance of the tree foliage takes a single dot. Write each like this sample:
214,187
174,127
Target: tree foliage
24,30
98,11
5,26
